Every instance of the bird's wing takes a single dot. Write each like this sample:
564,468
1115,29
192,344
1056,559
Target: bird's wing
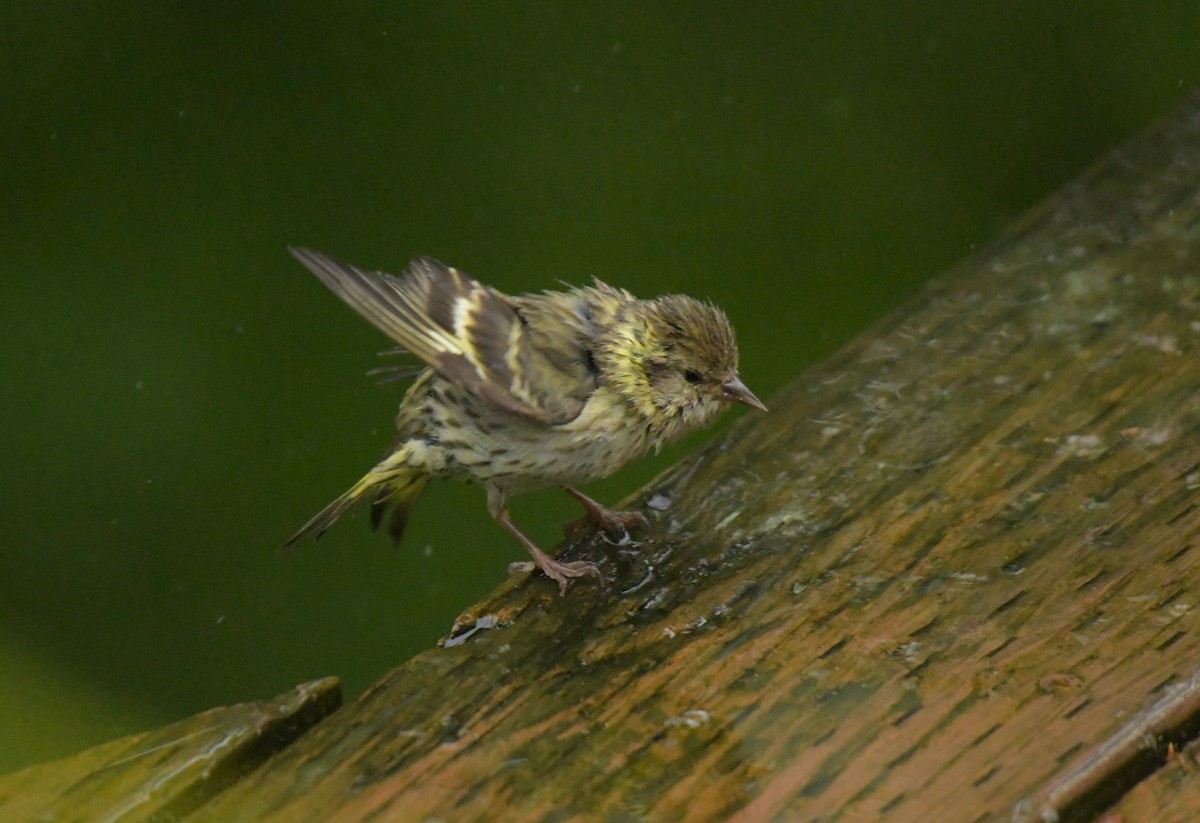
469,333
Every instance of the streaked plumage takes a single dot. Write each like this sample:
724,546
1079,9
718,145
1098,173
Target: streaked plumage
550,389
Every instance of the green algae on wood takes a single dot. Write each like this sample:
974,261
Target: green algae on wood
165,773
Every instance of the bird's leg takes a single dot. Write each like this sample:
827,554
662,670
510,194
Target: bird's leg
557,570
615,523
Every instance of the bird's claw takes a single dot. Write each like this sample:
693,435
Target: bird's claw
616,523
559,571
613,523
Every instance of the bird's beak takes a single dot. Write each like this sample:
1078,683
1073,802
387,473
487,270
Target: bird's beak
735,389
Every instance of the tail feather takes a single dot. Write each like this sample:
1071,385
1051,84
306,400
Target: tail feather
400,489
399,499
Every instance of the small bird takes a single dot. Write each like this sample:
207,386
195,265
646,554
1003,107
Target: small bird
531,391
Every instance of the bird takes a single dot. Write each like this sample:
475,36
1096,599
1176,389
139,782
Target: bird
549,389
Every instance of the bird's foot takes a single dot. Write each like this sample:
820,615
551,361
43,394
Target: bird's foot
615,523
559,571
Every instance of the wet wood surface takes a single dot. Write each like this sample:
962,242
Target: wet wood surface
163,774
952,575
1172,793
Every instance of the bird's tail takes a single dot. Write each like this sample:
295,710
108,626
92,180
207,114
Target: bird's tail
396,490
399,498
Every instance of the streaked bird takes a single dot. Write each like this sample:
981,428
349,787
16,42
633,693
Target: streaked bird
530,391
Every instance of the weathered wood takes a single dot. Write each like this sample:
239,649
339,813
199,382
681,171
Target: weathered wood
951,576
165,773
1170,795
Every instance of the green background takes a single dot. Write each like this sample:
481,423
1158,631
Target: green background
179,395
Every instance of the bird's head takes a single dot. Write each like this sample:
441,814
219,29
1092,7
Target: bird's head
676,363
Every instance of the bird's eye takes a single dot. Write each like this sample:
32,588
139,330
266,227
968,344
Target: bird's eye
692,376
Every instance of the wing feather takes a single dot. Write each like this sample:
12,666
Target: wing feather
468,332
